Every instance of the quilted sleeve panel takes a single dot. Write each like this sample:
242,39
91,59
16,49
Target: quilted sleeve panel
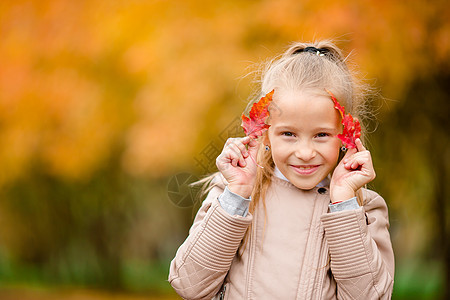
203,260
362,259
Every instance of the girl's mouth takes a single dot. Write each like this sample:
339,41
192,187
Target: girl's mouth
305,169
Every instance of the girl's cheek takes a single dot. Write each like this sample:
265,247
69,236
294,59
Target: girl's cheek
331,150
329,147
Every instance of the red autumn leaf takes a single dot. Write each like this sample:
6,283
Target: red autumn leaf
352,131
255,124
337,105
352,127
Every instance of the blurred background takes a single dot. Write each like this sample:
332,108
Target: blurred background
109,108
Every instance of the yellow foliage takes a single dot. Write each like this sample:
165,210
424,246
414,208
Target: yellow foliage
78,78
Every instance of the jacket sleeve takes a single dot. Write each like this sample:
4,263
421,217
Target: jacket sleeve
362,259
203,260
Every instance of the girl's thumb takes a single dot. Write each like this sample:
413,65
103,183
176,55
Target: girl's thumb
253,147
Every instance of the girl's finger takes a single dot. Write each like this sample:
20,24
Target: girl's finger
348,154
228,156
241,145
359,154
253,147
356,161
253,143
355,164
237,154
359,145
234,162
227,142
243,140
234,158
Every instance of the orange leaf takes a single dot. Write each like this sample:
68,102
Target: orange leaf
352,127
255,125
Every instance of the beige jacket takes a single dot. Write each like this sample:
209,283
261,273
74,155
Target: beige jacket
344,255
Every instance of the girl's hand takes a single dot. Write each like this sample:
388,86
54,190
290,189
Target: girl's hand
238,164
353,172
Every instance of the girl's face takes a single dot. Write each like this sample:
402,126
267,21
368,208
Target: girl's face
303,136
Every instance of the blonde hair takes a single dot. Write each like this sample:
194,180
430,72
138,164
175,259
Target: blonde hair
300,70
296,70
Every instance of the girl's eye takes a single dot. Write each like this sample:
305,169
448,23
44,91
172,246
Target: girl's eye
287,133
322,134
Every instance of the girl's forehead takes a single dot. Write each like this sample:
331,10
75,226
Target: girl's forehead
286,102
303,111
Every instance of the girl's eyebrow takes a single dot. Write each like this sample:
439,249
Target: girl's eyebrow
326,128
288,127
284,127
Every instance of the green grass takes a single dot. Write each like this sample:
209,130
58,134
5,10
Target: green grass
136,277
416,280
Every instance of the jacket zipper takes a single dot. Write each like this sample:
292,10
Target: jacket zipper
251,241
222,293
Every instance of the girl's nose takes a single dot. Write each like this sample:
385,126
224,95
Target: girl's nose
305,151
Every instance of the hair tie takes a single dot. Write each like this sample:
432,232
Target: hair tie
314,50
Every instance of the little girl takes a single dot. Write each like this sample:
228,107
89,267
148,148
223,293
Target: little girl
287,215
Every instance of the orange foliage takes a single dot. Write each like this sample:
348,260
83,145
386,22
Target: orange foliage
81,78
255,125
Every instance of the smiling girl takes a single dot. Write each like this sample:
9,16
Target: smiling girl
285,217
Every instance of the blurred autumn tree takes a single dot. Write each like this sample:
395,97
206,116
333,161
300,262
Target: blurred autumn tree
101,102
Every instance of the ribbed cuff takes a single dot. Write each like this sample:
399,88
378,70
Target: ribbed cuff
349,204
233,203
219,240
346,232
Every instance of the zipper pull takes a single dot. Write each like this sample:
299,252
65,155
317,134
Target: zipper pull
222,293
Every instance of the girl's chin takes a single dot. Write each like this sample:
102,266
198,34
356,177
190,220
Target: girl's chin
304,181
305,187
305,184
